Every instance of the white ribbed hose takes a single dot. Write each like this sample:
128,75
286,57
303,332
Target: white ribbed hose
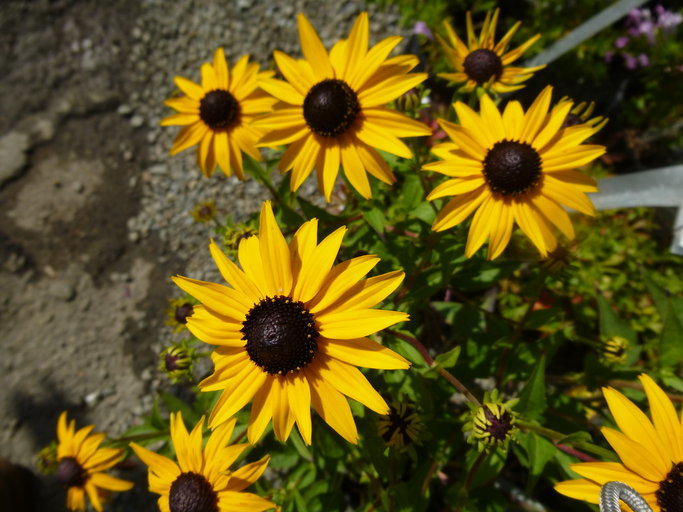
612,492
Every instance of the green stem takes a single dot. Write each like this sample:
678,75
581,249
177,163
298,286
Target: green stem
556,437
432,364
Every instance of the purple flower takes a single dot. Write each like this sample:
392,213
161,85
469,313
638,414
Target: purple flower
621,41
422,28
609,55
668,20
643,60
630,61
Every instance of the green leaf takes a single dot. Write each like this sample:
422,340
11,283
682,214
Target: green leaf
174,404
658,294
540,451
532,400
375,217
671,340
448,359
612,325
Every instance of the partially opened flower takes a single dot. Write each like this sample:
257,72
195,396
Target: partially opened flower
217,115
482,61
581,114
513,167
200,480
651,452
332,111
81,464
291,329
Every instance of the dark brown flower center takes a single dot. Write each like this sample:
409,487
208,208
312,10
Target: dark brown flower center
482,65
670,492
512,168
330,107
183,312
219,109
498,427
70,473
281,335
191,492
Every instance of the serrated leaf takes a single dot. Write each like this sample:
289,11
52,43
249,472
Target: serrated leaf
532,400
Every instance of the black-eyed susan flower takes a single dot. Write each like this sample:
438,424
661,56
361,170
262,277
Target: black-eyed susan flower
492,424
176,361
179,310
204,211
81,464
401,426
614,350
291,329
217,114
482,61
332,109
200,480
651,452
513,167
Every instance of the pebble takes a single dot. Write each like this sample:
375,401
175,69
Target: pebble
13,148
61,290
137,121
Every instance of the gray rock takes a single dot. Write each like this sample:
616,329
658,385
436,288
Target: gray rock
61,290
13,148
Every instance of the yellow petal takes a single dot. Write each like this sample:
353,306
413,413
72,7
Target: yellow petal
261,411
299,396
635,456
313,49
342,277
346,325
233,275
274,253
665,418
220,66
316,267
247,382
536,115
190,88
363,352
375,137
603,472
111,483
366,294
248,474
459,208
331,405
580,490
350,381
354,170
221,299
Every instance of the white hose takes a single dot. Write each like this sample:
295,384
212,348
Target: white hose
612,492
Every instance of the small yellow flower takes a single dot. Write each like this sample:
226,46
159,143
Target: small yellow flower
200,480
492,424
483,62
614,350
216,115
176,361
651,452
204,211
179,310
81,464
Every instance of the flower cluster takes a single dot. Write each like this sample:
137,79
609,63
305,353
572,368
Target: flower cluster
299,314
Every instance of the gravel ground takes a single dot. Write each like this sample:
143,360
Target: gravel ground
95,214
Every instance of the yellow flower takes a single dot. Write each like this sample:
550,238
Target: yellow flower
81,462
201,481
513,167
217,115
332,109
651,452
291,329
483,62
204,211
